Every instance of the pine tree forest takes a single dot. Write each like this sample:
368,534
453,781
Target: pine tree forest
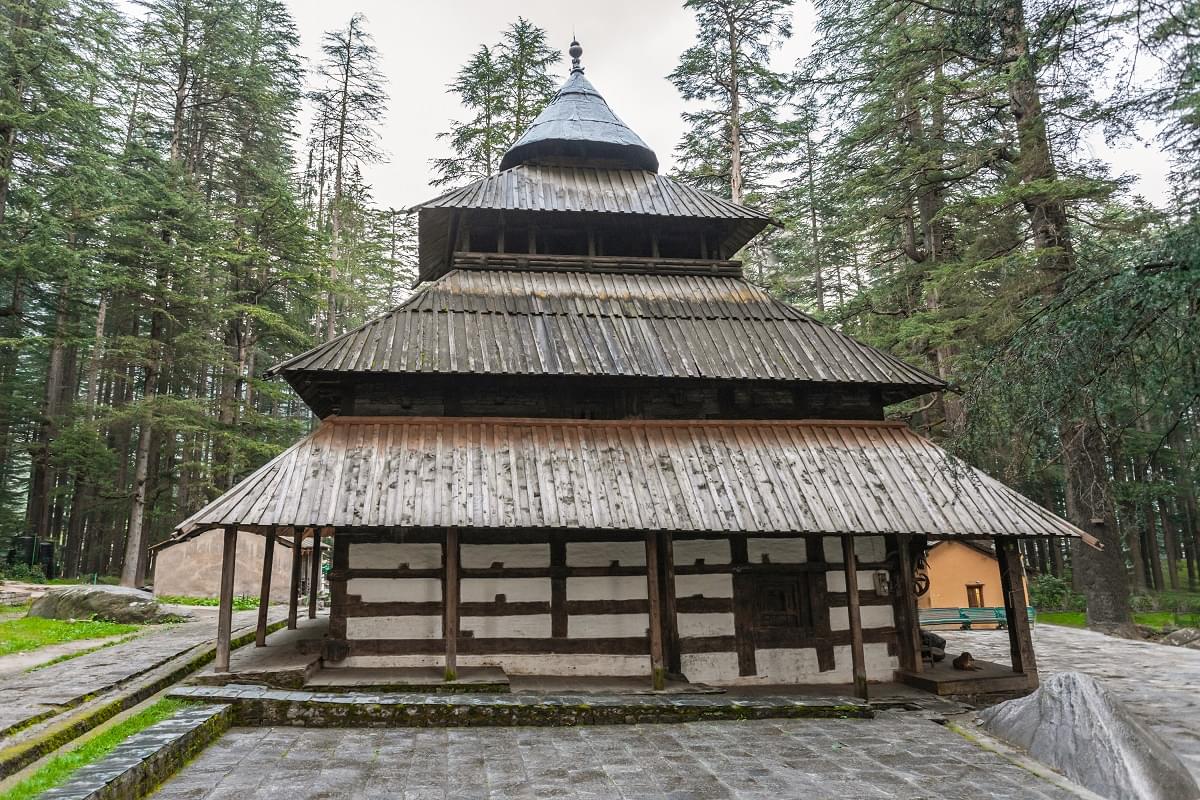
184,203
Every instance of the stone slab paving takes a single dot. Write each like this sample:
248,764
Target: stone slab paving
1159,683
899,756
32,695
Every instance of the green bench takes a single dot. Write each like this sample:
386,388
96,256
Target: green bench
965,618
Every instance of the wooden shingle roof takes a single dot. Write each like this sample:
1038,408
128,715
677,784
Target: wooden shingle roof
582,189
631,476
503,322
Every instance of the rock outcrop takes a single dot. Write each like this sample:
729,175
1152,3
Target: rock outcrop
1076,726
109,603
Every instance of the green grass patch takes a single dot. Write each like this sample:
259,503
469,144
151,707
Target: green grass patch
242,603
15,611
1078,619
29,633
58,770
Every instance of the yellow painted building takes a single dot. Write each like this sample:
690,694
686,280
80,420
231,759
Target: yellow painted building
963,574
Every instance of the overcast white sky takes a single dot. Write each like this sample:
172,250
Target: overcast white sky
629,48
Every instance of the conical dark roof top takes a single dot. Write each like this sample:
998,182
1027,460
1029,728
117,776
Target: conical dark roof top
578,128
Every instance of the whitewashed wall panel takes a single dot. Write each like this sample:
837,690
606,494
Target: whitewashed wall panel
515,590
715,585
389,590
603,554
517,626
615,587
711,551
482,556
776,551
407,627
605,626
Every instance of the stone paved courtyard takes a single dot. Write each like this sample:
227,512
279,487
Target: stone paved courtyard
900,756
1160,683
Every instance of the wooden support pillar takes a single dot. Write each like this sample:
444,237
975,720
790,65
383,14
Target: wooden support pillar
450,624
666,589
225,611
1012,584
294,589
658,666
908,620
314,573
264,593
857,655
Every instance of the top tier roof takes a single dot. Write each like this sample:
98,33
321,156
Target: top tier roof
577,127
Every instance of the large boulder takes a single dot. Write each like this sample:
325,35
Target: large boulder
1182,637
1075,725
109,603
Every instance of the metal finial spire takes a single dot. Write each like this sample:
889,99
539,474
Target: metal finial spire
576,51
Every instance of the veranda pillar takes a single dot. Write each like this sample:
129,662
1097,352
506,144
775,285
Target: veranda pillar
450,624
294,589
658,666
314,575
857,654
908,625
264,592
225,611
1012,584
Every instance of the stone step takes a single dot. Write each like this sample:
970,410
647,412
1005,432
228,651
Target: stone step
257,705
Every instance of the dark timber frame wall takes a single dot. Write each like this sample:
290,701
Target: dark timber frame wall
678,619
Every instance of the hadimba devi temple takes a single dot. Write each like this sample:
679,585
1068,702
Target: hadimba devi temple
587,446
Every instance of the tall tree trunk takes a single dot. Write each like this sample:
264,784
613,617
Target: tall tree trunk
1089,498
735,108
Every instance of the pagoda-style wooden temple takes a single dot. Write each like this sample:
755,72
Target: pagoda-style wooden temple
586,445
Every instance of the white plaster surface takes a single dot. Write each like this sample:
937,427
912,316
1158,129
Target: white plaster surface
390,555
515,590
482,556
517,626
393,590
705,624
776,551
406,627
713,551
616,587
521,664
835,581
603,626
833,549
704,585
872,617
602,554
709,667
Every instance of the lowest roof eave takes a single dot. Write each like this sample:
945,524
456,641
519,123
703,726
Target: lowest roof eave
882,474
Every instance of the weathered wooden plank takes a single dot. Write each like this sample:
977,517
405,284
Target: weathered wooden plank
907,619
1012,583
294,587
264,593
658,662
779,478
857,654
450,593
225,610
